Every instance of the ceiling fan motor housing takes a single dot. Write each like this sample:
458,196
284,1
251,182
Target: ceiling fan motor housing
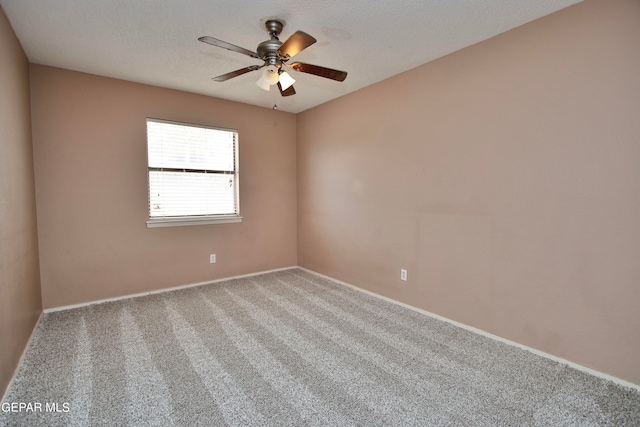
268,51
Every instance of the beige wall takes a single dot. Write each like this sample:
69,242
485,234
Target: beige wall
91,188
504,177
20,303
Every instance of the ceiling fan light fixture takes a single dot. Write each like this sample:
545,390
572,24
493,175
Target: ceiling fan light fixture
263,83
268,77
286,80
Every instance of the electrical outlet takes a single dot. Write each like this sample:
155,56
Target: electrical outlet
212,259
403,275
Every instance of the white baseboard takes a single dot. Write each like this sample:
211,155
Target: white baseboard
24,353
160,291
486,334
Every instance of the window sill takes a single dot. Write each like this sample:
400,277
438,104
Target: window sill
177,222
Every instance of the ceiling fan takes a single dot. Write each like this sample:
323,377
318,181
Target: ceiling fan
276,56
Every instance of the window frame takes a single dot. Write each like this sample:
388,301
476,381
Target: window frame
185,220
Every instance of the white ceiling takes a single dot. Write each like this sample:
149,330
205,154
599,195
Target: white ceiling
155,41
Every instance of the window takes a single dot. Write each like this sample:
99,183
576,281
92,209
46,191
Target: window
193,174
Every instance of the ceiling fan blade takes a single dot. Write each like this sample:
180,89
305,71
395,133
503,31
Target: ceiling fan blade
288,92
236,73
317,70
296,43
228,46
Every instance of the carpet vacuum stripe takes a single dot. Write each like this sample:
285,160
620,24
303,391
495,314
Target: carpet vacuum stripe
145,385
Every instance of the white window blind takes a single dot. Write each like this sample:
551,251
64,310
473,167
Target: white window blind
193,173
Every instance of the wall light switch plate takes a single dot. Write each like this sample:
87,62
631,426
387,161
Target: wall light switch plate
212,258
403,275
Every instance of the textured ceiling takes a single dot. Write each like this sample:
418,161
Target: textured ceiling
155,41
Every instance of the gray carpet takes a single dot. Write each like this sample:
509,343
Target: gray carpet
290,348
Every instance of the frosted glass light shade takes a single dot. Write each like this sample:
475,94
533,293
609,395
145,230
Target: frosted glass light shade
271,73
263,83
268,77
286,80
